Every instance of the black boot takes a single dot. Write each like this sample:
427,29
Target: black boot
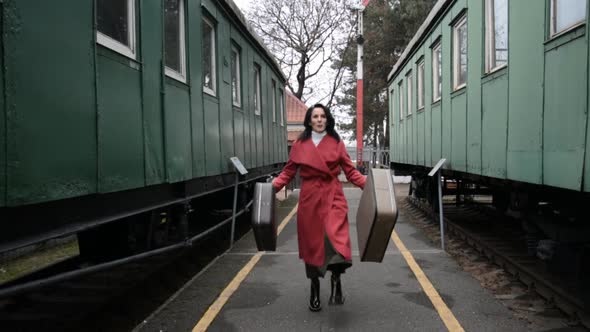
314,299
336,296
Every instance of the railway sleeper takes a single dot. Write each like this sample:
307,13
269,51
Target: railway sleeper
521,266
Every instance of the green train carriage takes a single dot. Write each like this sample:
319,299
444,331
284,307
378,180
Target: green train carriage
112,109
500,90
508,99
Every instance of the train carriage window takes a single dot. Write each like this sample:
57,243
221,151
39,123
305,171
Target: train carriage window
421,85
282,107
436,72
116,26
236,69
208,62
401,100
257,90
274,101
566,14
175,39
409,91
460,53
496,34
392,103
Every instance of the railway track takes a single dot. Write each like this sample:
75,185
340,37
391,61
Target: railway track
501,240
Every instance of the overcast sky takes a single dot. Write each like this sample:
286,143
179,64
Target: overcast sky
243,4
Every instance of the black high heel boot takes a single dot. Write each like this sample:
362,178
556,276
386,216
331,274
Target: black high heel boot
314,298
336,296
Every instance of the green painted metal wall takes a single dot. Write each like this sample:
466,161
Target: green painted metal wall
120,131
474,96
50,118
586,181
494,109
225,99
212,139
250,144
445,113
527,59
408,125
458,112
178,132
565,114
265,117
525,122
151,82
238,112
436,132
436,108
87,119
2,122
428,147
197,100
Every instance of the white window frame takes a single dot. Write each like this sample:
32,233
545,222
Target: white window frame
274,101
117,46
282,106
234,49
553,23
490,37
409,82
420,79
181,76
400,87
257,89
436,69
457,54
392,103
213,62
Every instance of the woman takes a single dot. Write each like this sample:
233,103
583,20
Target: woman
322,221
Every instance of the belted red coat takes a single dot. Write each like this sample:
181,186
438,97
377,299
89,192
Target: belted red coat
322,205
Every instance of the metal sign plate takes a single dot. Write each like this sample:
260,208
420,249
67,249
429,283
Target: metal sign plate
238,165
437,167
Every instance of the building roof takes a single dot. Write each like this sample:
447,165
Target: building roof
295,115
295,109
292,135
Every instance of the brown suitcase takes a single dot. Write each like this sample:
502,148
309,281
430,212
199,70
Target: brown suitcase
376,215
263,217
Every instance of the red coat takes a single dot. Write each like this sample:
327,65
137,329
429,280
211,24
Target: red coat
322,205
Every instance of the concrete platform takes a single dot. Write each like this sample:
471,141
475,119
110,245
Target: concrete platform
379,296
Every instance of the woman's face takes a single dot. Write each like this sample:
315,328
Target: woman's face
318,120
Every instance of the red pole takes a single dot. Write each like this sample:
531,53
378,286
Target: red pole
359,84
359,122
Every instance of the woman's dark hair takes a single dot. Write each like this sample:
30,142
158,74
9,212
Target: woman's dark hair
306,134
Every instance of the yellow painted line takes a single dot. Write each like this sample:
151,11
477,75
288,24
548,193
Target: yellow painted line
444,312
215,308
286,220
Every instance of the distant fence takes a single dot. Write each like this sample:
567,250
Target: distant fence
372,157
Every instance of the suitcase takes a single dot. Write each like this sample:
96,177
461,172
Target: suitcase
376,215
263,217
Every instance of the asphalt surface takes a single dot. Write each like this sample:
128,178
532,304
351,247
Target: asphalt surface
379,296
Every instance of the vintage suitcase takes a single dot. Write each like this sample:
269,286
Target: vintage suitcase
263,217
376,215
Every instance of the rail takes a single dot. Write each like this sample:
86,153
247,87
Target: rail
29,286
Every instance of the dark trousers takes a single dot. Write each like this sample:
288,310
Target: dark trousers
334,262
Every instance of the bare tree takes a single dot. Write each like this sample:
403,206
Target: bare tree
306,36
